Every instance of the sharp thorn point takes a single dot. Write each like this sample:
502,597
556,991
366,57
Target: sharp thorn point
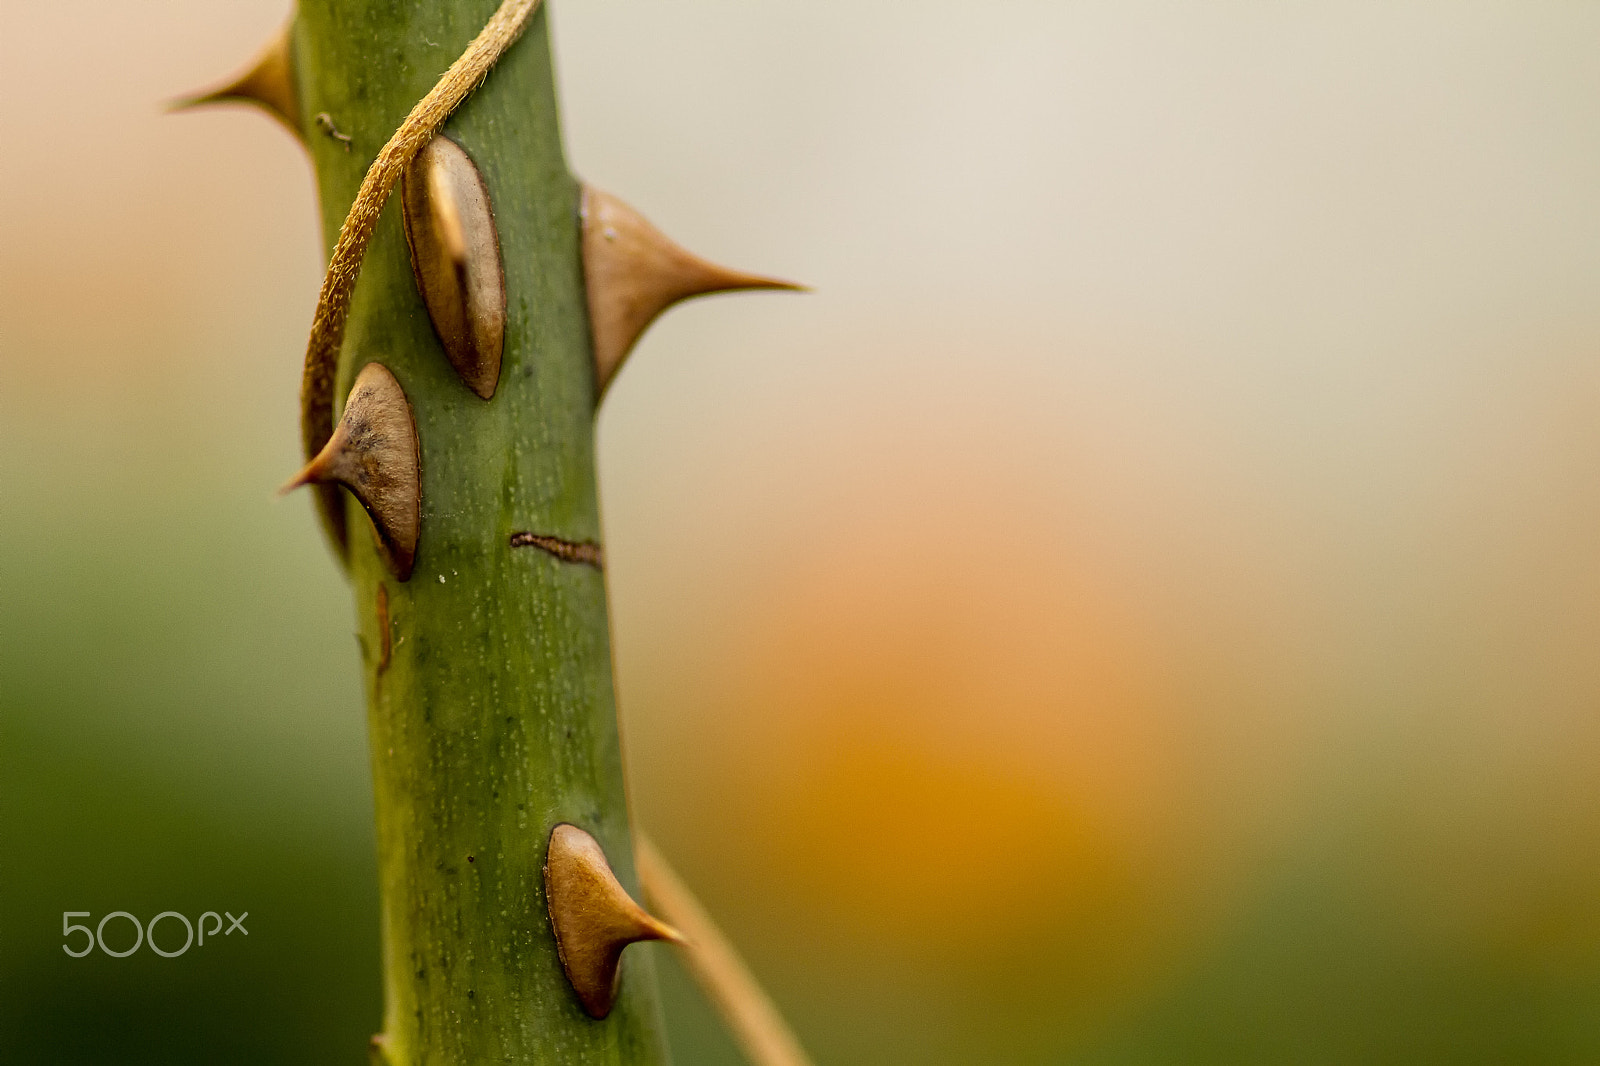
300,480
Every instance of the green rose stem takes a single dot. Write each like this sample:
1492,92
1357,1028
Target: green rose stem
496,300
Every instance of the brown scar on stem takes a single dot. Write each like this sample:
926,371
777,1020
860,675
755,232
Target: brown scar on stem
325,121
568,551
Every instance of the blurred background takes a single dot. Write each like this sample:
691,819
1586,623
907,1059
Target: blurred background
1177,511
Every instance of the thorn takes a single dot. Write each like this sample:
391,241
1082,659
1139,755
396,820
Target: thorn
455,258
269,83
378,1050
373,453
633,272
593,916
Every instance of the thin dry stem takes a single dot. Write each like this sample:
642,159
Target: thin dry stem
746,1009
344,265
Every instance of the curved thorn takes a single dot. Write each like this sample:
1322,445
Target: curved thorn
373,453
633,272
268,83
593,916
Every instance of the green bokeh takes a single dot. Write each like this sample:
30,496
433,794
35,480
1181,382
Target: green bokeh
180,730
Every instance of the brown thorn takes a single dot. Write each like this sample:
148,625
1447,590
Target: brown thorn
268,83
571,551
378,1050
373,453
344,263
455,259
633,272
593,916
